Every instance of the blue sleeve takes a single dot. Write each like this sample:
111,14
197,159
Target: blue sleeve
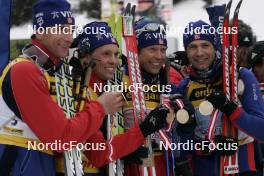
184,132
172,89
181,87
251,118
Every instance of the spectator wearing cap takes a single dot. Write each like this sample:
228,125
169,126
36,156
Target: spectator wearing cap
28,100
256,64
256,60
246,40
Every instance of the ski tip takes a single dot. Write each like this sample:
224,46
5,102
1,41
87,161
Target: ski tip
240,2
237,8
229,4
228,7
127,9
133,10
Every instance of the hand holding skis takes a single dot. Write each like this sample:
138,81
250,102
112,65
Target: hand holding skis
136,156
154,121
221,102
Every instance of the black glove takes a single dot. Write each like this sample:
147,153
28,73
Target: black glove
229,145
183,167
135,157
219,101
190,125
154,121
77,69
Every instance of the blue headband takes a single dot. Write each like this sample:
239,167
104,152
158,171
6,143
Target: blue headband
149,33
48,13
198,30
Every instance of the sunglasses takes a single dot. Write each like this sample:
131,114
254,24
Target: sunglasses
151,27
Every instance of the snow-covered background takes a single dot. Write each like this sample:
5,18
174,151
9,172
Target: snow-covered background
251,12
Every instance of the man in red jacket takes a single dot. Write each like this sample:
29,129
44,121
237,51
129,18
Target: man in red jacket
29,97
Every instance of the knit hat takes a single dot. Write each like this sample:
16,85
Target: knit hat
48,13
246,37
149,32
198,30
256,53
94,35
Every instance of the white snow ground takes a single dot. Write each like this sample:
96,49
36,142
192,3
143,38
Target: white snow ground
251,12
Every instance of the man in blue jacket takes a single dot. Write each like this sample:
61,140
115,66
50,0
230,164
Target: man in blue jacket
205,83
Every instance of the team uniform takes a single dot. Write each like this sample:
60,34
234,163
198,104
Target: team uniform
122,144
114,149
152,99
33,114
152,42
205,80
251,113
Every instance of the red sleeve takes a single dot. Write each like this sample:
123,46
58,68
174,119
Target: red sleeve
43,115
236,114
120,145
175,76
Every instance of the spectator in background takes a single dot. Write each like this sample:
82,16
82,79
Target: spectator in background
246,40
246,58
178,69
256,60
256,63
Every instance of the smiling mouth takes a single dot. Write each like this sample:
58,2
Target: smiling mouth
202,60
156,64
110,69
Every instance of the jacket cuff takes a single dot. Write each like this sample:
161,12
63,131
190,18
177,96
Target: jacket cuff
236,114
